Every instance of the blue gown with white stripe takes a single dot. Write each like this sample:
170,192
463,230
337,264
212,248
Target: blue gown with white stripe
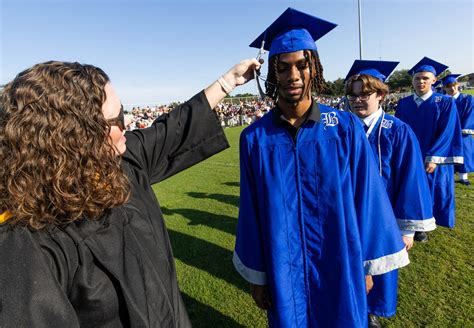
405,180
465,106
314,218
436,125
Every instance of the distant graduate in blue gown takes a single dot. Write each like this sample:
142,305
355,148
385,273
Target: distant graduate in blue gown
400,164
465,107
315,221
434,119
438,87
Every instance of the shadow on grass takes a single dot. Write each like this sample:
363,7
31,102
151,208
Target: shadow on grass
223,223
232,184
226,199
213,259
202,315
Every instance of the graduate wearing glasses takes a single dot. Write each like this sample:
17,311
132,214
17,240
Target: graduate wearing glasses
434,120
398,156
315,221
465,107
83,241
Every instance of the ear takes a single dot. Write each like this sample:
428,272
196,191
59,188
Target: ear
380,96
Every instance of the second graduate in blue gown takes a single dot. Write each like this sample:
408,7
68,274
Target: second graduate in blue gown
398,156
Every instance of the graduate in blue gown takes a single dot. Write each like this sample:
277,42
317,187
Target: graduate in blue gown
434,119
438,87
315,221
398,155
465,107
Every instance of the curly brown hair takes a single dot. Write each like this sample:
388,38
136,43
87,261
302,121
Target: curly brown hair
58,162
318,84
370,84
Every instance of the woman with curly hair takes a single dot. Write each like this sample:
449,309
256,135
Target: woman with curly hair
83,241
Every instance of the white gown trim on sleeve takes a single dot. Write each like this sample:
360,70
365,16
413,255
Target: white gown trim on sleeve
444,160
386,263
417,225
253,276
467,131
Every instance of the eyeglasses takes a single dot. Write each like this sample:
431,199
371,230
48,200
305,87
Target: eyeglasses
118,121
361,97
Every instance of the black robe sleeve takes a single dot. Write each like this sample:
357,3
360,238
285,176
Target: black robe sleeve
99,273
34,279
187,135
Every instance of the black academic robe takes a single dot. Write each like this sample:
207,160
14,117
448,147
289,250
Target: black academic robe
117,271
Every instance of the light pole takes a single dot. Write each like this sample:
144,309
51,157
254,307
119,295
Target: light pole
360,29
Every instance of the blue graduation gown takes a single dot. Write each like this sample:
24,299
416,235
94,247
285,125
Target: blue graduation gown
437,127
404,177
465,106
314,218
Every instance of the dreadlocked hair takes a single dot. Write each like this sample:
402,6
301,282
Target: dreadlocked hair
271,84
317,82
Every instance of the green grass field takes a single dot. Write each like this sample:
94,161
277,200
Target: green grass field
201,206
469,92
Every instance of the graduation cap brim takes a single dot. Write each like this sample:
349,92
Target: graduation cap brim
428,65
292,19
376,68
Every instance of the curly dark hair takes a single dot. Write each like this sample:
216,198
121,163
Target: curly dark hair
58,162
317,83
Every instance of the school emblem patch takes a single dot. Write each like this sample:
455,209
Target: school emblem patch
387,124
329,119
